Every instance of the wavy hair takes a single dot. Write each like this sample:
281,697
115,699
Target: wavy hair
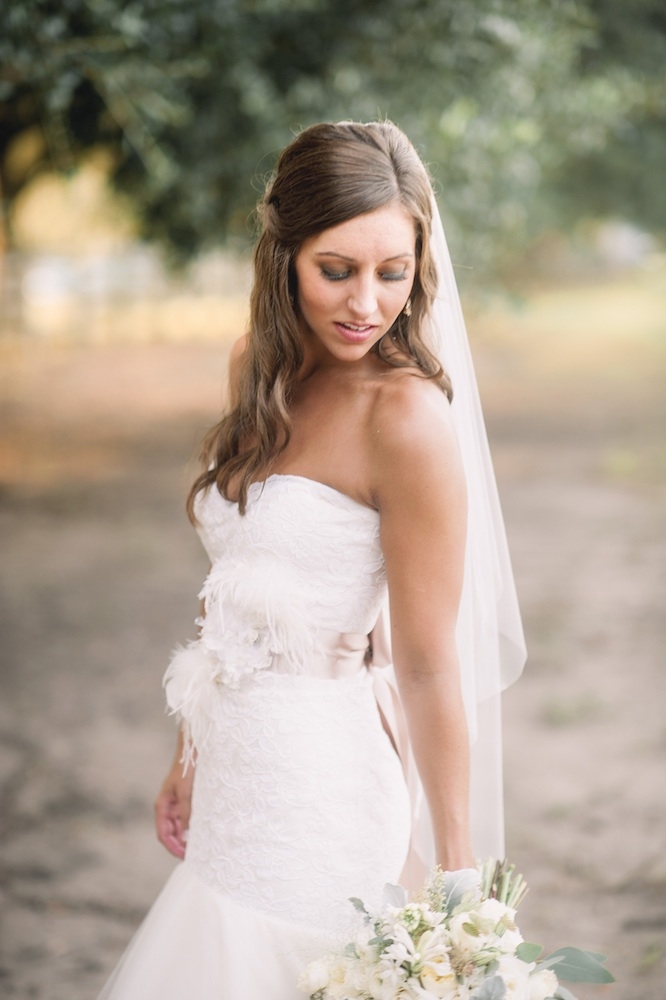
329,173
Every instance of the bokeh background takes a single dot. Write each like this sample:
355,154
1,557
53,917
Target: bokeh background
134,138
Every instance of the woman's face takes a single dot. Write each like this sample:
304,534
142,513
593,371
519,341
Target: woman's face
353,281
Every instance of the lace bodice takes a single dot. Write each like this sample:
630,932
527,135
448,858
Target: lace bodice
295,586
302,566
305,539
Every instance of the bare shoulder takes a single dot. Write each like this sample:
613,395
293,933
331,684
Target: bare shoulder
238,349
411,427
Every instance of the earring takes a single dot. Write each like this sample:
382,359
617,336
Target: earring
407,311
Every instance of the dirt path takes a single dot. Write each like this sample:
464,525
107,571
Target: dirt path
100,572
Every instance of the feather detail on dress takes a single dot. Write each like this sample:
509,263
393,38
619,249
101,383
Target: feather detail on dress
188,684
253,616
254,621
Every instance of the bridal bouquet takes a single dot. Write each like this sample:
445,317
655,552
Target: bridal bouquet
457,940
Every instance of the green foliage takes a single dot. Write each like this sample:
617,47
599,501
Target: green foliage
500,880
529,111
493,989
619,171
528,952
578,966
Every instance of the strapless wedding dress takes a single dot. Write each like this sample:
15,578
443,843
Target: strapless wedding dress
300,800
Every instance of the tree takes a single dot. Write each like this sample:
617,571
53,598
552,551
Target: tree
621,172
194,97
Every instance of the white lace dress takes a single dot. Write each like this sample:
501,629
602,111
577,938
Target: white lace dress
299,796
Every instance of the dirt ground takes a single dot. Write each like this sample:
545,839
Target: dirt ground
99,575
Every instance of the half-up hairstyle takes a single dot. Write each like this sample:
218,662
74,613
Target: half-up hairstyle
330,173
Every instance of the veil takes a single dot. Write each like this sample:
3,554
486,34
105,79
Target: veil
489,634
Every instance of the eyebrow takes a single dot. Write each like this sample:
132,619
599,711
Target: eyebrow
351,260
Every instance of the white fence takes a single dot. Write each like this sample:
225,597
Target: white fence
120,298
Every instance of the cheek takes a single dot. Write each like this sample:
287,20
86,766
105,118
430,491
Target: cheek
396,300
315,296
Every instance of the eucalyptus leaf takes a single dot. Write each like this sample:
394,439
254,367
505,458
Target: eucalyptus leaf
457,884
528,952
359,905
599,955
577,966
492,989
562,993
394,895
550,961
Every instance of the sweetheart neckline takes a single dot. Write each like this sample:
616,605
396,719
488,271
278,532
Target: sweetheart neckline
307,480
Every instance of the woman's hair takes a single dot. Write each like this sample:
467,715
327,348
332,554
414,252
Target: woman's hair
329,173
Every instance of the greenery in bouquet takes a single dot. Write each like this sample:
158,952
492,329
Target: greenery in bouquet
458,939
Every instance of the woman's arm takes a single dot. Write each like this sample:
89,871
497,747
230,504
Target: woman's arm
419,489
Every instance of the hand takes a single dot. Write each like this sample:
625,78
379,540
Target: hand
172,809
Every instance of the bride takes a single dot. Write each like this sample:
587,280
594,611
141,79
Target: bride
325,742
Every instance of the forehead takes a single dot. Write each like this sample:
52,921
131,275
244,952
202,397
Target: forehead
384,233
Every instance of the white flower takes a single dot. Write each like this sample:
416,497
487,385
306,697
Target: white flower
436,973
515,974
372,985
391,972
509,941
412,915
439,979
493,917
402,948
339,985
465,943
433,942
315,977
542,985
461,934
481,935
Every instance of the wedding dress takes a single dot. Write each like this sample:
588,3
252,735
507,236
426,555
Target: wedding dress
300,800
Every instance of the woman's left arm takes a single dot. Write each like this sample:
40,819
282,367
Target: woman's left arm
419,489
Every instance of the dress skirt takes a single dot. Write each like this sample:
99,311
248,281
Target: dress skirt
299,803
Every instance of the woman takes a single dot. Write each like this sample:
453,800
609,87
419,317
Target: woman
335,478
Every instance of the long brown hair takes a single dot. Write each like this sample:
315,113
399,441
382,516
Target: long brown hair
330,173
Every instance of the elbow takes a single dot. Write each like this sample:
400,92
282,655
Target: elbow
429,669
425,657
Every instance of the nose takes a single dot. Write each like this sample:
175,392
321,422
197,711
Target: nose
362,301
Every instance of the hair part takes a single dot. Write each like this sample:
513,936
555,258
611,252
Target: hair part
329,174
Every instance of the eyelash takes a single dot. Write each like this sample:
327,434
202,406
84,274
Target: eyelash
342,275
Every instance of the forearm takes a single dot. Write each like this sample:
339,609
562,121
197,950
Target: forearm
440,742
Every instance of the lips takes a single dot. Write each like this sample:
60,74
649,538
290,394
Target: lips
355,333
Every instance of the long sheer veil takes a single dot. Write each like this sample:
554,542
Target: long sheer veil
490,639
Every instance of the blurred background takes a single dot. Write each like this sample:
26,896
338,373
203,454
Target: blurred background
134,140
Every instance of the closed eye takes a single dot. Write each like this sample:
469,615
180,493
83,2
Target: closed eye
334,275
341,275
393,276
